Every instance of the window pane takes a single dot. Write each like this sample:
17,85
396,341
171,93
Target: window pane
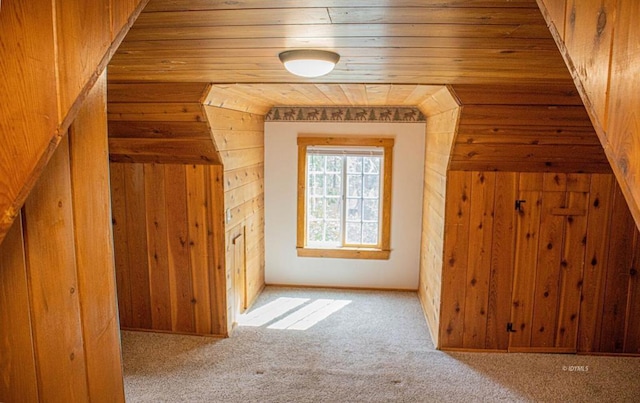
370,233
372,165
370,210
316,185
334,164
354,210
332,232
354,186
316,208
371,186
315,163
333,185
333,208
314,232
354,165
354,233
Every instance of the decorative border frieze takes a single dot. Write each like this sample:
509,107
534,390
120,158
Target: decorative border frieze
392,114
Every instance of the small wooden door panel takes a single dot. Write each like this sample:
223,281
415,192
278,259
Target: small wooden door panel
239,273
549,262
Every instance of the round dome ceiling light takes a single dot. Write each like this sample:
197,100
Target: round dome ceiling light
308,62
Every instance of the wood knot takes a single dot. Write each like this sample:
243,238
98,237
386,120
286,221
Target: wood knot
602,22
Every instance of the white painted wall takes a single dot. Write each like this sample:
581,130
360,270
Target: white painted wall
283,266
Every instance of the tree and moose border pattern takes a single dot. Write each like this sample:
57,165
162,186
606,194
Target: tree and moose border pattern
345,114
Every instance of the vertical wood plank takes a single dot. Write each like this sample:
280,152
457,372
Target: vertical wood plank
502,260
456,249
51,273
612,329
138,249
571,272
121,10
545,297
197,218
588,35
182,309
94,247
217,249
27,62
632,321
17,362
479,258
79,23
121,244
591,306
156,221
623,104
527,239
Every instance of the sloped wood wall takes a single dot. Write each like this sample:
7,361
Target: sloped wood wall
160,122
442,121
591,307
54,53
239,137
525,129
599,41
168,231
60,339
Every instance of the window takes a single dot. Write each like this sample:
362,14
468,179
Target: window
344,197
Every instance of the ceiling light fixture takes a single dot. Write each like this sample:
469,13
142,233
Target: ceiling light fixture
309,62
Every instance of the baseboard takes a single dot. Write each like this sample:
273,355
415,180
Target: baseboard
339,287
213,336
608,354
471,350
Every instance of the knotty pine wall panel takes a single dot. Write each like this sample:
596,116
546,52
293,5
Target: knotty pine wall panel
239,137
89,162
526,138
169,248
17,362
58,262
53,55
599,43
594,298
160,123
440,132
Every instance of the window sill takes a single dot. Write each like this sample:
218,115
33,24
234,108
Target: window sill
345,253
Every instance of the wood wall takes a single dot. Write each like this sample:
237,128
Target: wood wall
561,270
599,41
52,56
442,121
239,137
158,133
59,338
525,129
160,122
168,231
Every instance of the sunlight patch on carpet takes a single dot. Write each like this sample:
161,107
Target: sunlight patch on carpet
270,311
307,316
292,313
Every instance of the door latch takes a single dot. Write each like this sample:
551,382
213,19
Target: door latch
519,204
510,328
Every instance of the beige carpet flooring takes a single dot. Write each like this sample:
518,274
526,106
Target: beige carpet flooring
370,347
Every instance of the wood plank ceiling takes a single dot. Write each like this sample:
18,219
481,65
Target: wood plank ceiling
490,42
